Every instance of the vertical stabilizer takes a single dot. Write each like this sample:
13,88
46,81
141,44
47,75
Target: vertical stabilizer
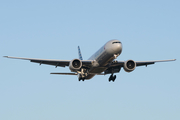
79,53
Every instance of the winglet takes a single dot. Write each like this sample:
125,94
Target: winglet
79,53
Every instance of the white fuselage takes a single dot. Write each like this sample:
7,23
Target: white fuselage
104,56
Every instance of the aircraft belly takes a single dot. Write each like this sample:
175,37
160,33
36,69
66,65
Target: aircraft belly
94,71
89,76
104,58
98,69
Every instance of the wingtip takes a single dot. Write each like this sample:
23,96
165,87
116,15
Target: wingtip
5,56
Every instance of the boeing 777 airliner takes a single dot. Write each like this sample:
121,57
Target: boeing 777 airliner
100,63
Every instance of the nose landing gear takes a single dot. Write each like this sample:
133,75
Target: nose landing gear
112,78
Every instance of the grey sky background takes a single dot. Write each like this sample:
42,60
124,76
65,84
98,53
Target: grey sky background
148,30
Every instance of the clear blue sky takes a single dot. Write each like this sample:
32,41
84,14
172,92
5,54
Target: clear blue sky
148,30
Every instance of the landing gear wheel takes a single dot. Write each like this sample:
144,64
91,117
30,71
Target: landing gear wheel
81,79
112,78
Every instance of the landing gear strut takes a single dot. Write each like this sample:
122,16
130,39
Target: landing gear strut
82,74
112,78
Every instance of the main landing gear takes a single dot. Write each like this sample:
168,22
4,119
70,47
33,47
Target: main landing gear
81,79
112,78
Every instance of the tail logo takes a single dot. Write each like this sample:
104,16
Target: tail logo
79,53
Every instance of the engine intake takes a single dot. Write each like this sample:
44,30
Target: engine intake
75,65
129,65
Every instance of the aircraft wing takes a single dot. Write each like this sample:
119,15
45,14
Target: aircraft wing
139,63
117,65
57,63
65,73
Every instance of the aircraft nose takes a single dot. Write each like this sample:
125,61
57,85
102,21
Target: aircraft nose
113,47
117,48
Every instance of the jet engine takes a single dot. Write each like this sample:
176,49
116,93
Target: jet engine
75,65
129,65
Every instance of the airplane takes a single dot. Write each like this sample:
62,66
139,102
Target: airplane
101,62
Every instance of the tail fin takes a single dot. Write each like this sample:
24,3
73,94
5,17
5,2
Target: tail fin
79,53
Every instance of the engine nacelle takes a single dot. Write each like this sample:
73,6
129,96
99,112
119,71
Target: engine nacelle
75,65
129,65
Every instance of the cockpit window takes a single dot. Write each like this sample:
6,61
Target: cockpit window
116,42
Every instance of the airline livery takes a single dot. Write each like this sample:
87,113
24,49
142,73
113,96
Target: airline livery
100,63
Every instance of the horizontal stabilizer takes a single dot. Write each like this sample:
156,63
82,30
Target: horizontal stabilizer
65,73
